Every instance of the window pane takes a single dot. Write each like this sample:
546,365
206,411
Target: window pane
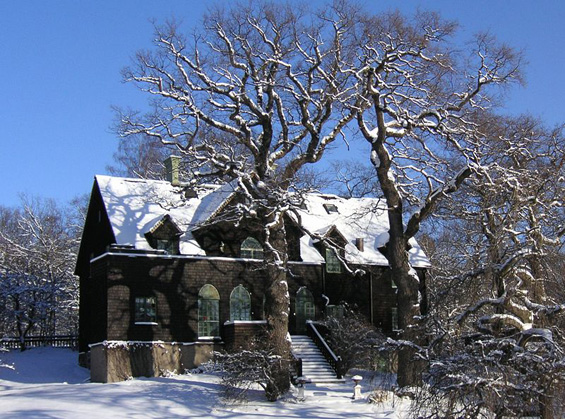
208,311
240,304
333,264
145,310
394,318
251,249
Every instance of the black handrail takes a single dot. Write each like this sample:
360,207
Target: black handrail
334,360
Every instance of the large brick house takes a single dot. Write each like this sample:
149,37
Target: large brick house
163,266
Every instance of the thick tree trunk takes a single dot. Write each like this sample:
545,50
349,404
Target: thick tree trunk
409,311
409,369
277,308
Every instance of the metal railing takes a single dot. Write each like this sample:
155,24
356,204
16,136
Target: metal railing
334,360
68,341
296,367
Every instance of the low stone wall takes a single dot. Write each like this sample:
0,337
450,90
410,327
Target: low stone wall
112,361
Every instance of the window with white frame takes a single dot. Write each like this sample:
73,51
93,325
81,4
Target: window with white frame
208,312
251,249
394,318
333,264
240,304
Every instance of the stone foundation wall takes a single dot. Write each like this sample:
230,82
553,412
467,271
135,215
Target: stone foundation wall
113,361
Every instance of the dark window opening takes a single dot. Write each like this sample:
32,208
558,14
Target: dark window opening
145,310
331,209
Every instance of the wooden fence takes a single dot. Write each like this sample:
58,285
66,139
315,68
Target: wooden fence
38,341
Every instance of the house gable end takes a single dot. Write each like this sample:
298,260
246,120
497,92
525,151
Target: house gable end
97,233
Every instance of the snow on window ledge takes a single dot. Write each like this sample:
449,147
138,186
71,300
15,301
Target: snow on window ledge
245,322
146,323
209,338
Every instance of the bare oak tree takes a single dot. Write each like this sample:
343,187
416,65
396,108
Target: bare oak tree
498,346
254,96
421,116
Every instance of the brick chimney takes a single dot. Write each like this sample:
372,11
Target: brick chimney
172,164
360,243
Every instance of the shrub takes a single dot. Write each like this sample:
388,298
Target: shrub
356,341
255,365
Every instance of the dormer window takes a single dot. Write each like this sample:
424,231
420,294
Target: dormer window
333,264
331,209
170,246
251,249
164,236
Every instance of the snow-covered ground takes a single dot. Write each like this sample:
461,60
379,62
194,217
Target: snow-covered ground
47,383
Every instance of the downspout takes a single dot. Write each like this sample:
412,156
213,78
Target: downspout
371,292
323,279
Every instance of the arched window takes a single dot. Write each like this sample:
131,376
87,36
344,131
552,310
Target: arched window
208,312
305,308
251,248
240,304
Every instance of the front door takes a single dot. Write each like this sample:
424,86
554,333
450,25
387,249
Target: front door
305,309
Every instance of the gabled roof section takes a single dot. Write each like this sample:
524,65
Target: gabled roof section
329,232
355,218
137,206
166,221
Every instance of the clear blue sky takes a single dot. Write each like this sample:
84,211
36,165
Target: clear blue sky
60,63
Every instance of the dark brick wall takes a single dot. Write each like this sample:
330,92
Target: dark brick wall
96,236
176,281
241,335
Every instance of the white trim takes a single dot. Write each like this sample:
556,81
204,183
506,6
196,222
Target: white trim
147,342
221,258
194,257
245,322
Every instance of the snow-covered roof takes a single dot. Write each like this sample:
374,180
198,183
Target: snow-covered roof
136,206
355,218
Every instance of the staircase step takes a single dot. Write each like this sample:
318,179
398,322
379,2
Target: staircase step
315,368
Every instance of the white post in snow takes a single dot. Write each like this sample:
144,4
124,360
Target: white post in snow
301,382
357,388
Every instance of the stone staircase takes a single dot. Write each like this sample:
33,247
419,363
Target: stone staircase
315,368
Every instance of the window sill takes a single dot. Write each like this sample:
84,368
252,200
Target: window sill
146,324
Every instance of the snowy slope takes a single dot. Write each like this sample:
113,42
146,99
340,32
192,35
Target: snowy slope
47,383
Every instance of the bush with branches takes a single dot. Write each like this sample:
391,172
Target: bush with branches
356,341
249,367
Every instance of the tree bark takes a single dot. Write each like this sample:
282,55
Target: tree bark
277,304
